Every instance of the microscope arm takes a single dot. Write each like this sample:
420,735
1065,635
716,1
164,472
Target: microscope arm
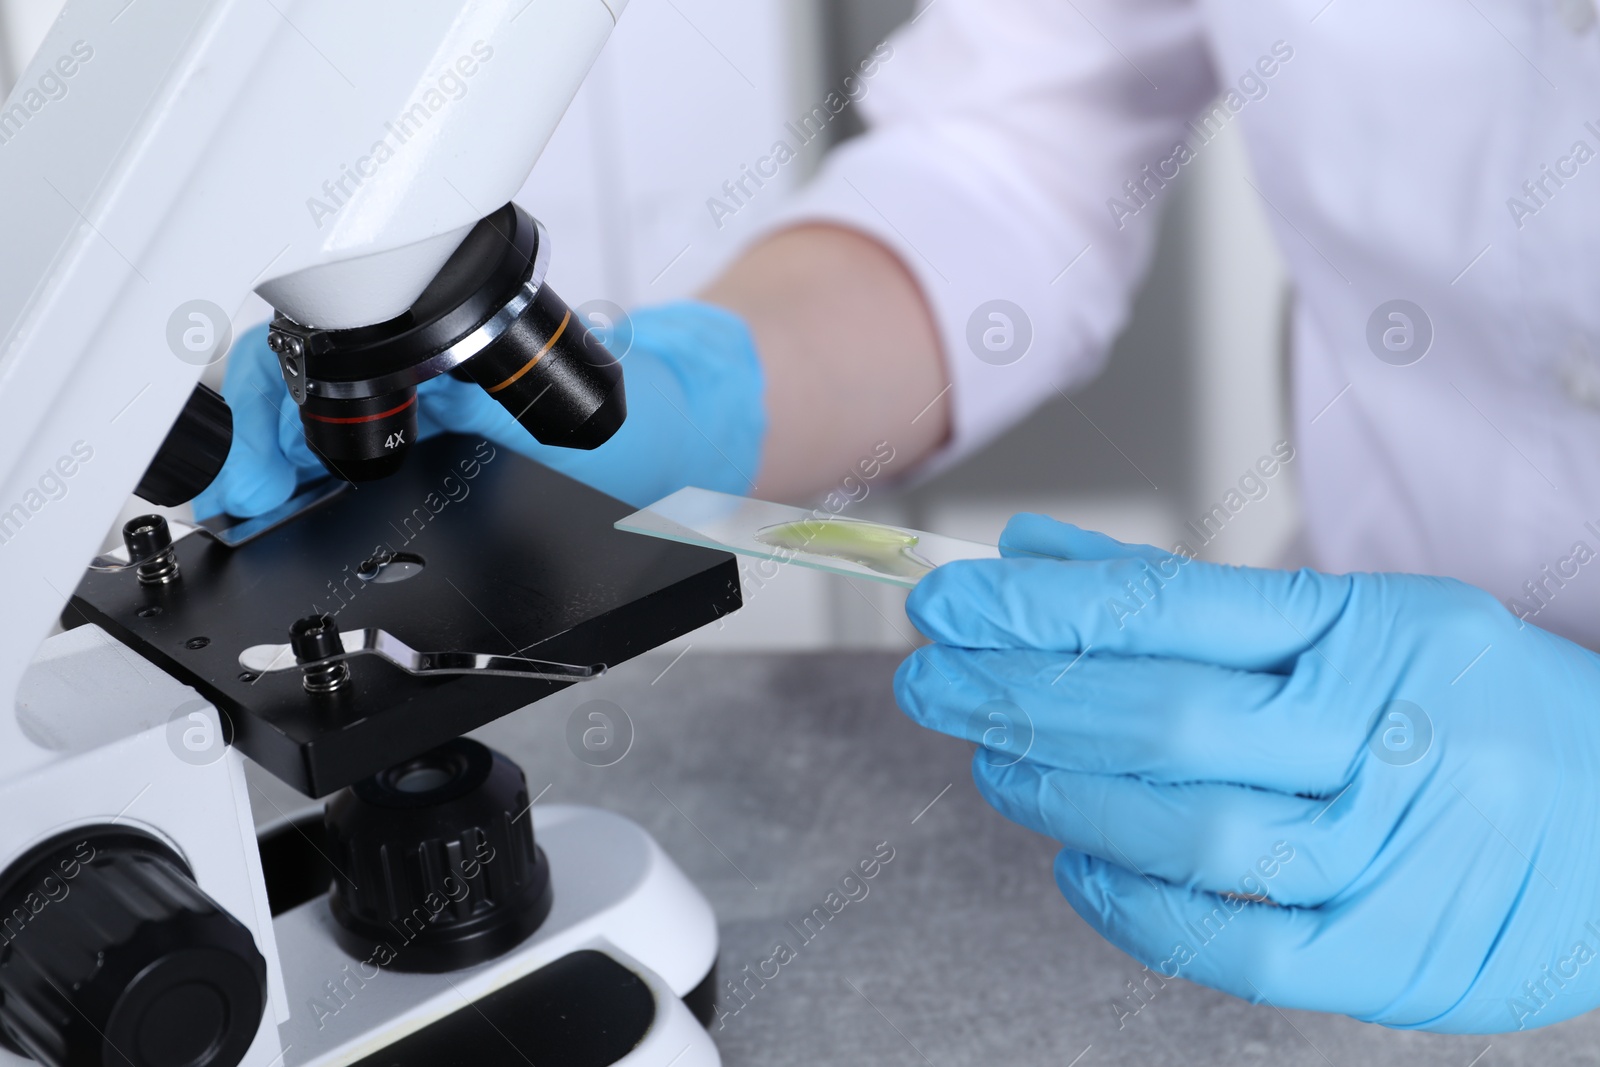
330,157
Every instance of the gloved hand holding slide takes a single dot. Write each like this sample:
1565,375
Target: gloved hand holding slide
1401,766
1345,793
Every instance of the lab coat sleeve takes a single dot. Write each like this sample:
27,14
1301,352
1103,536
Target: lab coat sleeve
1003,135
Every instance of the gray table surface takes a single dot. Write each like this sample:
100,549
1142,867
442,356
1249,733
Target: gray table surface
768,777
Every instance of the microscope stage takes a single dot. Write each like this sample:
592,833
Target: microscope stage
492,553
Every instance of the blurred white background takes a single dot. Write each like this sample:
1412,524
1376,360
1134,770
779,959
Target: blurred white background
690,90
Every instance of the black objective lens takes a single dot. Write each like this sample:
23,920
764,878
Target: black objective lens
193,454
487,317
361,440
557,380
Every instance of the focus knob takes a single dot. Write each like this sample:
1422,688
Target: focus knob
111,956
439,864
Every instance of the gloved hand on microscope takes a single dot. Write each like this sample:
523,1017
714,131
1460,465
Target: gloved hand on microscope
695,417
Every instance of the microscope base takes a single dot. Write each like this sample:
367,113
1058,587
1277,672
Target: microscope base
601,982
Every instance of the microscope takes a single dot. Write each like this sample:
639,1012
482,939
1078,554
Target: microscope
353,164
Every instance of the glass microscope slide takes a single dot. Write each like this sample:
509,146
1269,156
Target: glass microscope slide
811,538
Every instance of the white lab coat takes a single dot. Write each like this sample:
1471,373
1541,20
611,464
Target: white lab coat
1390,143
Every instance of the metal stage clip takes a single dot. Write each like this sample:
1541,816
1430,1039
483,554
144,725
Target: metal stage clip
270,659
233,533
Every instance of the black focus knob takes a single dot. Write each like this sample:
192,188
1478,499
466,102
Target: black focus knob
437,867
111,956
192,456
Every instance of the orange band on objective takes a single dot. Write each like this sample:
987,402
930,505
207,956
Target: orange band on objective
528,366
361,418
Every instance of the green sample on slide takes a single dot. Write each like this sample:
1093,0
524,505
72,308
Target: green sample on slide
884,549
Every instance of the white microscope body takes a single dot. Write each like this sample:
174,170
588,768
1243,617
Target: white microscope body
330,157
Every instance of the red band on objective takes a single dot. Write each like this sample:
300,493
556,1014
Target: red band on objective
361,418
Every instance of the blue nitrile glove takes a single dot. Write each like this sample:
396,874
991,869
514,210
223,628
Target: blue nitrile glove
1408,774
695,417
